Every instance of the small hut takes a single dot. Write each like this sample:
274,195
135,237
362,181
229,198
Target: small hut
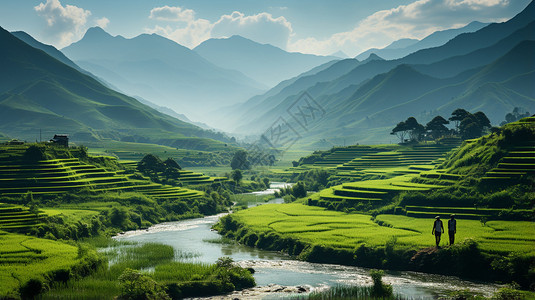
60,139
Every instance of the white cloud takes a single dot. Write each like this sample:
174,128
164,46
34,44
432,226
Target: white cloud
63,22
262,27
193,34
169,13
414,20
476,4
102,22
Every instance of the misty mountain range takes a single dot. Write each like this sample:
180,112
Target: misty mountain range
364,99
227,82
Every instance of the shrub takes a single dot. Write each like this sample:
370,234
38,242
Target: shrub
137,286
31,288
34,153
379,288
507,294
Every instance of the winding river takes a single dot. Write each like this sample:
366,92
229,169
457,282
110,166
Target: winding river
195,236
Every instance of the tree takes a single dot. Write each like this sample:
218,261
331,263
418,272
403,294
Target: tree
400,131
239,161
236,176
299,190
517,114
151,164
482,120
457,116
437,127
136,285
410,127
34,153
417,132
474,125
171,163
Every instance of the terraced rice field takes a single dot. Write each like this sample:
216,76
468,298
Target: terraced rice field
342,155
519,162
63,175
469,213
375,192
315,225
18,218
25,257
416,155
355,163
186,176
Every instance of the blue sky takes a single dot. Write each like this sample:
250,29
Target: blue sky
311,26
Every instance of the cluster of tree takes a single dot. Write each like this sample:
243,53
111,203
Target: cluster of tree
467,126
517,114
470,126
290,194
409,128
152,165
243,160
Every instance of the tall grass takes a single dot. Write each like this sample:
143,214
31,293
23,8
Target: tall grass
157,260
345,292
179,271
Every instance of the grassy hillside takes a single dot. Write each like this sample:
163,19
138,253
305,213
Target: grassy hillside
494,171
38,92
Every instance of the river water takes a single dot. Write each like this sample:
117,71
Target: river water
196,236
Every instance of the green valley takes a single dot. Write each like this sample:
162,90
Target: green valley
290,150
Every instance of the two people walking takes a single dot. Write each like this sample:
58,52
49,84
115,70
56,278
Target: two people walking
438,229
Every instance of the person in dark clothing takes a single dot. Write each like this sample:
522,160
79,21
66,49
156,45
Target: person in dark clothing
438,229
452,228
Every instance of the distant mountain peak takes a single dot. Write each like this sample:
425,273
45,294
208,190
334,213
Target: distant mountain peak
401,43
340,54
96,31
238,37
97,34
373,56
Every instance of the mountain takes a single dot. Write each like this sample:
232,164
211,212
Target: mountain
162,71
377,105
240,116
340,54
40,93
494,89
457,64
492,41
262,62
402,43
403,47
48,49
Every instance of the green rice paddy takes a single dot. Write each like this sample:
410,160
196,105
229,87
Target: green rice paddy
315,225
69,174
25,257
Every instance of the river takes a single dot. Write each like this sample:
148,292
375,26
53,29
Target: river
196,236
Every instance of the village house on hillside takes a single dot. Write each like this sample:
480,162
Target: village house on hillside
60,139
